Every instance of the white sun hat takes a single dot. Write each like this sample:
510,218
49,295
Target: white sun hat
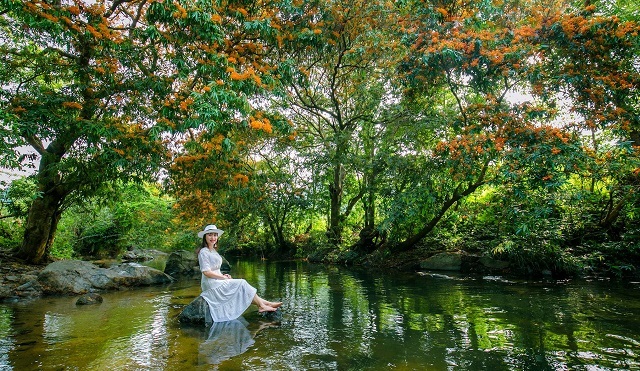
211,228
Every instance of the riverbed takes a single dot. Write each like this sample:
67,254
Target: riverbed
336,318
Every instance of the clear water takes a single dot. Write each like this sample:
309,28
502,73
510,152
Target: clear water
337,319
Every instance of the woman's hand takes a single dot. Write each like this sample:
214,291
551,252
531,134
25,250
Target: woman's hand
227,276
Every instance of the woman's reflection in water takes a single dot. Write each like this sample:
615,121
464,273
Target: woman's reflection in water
228,339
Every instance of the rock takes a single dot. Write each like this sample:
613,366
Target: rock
272,316
29,289
138,255
197,312
182,263
445,261
89,299
134,274
493,264
80,277
76,277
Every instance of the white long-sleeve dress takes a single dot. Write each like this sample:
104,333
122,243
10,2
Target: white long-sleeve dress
227,298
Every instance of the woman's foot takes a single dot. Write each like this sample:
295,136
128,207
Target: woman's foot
266,308
274,305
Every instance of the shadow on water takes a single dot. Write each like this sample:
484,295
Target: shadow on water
337,319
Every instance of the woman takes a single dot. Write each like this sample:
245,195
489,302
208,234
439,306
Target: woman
227,297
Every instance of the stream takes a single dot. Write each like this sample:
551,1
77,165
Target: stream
337,318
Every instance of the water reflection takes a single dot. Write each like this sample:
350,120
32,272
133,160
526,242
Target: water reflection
337,319
226,339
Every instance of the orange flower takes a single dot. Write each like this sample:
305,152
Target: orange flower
74,105
267,128
184,105
74,10
442,11
237,76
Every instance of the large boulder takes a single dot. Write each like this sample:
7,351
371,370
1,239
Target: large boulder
197,312
80,277
445,261
76,277
182,263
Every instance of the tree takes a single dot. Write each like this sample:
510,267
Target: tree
469,59
94,87
340,84
591,61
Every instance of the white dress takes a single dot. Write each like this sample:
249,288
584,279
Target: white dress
227,298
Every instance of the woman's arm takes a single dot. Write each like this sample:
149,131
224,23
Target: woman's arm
218,276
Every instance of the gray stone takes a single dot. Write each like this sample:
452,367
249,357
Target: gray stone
80,277
197,312
76,277
272,316
182,263
492,263
446,261
138,255
89,299
134,274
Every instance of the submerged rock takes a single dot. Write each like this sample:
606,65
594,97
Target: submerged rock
272,316
89,299
446,261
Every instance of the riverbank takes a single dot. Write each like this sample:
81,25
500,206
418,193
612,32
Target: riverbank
14,274
467,262
19,280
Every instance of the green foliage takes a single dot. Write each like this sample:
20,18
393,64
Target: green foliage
500,128
134,217
14,204
18,196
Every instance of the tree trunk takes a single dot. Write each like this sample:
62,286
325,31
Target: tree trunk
369,234
46,210
42,222
457,195
336,192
